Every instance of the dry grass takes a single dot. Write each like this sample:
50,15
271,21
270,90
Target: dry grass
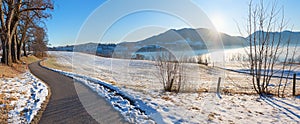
107,80
5,109
51,62
202,90
29,59
23,93
194,108
235,91
12,98
6,71
112,82
16,69
211,116
167,98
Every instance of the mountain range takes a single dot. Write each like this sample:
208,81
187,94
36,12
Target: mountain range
181,39
196,39
284,36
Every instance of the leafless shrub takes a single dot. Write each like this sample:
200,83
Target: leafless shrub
170,71
267,47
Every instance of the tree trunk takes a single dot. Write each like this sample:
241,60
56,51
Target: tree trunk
19,45
24,49
3,59
9,57
14,50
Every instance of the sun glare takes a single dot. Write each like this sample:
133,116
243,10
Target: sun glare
218,22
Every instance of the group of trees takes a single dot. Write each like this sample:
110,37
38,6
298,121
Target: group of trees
22,24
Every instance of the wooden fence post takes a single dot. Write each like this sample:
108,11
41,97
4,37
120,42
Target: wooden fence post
294,84
218,88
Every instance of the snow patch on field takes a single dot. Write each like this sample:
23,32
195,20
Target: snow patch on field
205,108
28,93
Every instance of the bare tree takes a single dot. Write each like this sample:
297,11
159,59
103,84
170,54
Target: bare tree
265,45
39,44
170,71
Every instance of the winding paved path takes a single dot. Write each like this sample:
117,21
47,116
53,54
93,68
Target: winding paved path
64,105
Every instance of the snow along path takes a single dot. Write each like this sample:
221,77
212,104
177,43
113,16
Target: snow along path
64,105
27,93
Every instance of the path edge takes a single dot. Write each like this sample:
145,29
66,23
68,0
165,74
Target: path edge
44,105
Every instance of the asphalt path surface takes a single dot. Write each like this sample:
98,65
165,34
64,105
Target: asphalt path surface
72,102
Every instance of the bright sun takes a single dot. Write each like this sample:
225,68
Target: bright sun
218,22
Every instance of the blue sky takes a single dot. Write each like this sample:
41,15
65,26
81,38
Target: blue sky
69,16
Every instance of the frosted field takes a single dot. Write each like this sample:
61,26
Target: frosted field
137,78
236,59
136,74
